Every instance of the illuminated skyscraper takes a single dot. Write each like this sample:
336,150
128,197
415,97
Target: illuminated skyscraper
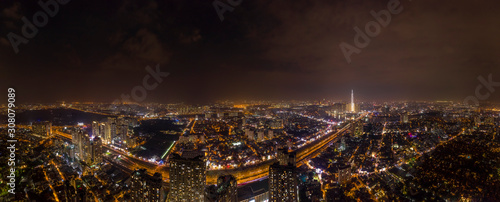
122,131
109,130
95,128
96,150
353,108
102,133
86,149
42,128
187,177
357,129
77,140
89,148
145,187
75,137
283,178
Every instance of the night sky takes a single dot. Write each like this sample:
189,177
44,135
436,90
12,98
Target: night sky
96,50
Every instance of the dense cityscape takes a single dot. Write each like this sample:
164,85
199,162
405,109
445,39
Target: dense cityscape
249,101
257,151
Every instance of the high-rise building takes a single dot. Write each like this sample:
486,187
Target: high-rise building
145,187
96,151
122,131
283,178
71,152
110,130
42,128
356,128
86,154
404,117
353,107
187,177
95,128
107,133
339,107
76,138
102,133
88,148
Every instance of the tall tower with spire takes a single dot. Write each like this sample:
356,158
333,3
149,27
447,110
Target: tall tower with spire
352,101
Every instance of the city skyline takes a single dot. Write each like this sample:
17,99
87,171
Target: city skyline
249,100
302,151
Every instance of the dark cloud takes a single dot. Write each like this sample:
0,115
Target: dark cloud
97,50
12,12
